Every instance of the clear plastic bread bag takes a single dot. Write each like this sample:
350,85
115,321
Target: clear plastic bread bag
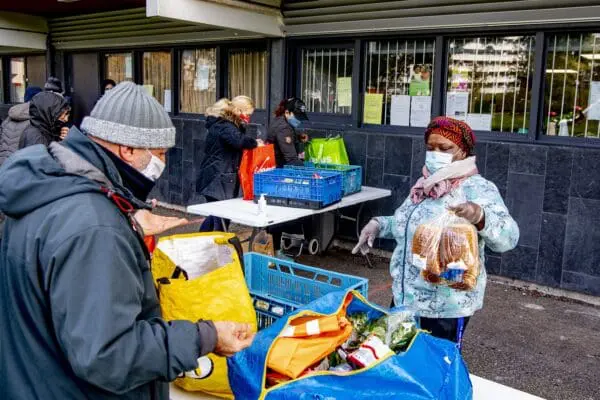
446,248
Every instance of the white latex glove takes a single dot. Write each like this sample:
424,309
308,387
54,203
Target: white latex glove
367,237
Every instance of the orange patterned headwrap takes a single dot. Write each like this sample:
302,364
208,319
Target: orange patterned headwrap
458,132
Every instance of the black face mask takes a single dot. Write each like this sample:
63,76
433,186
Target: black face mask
134,180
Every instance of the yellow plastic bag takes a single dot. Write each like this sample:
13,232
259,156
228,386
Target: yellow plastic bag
199,276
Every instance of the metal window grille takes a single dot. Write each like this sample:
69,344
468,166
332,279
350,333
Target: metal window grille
326,83
399,67
198,81
572,85
496,72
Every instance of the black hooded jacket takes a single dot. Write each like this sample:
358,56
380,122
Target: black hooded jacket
218,173
44,128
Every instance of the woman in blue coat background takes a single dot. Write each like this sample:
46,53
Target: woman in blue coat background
218,174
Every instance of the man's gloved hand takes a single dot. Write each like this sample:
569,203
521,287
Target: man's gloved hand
469,211
367,236
232,337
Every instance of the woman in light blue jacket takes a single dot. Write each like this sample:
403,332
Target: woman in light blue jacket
450,172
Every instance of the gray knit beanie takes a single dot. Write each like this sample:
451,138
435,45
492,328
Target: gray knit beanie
127,115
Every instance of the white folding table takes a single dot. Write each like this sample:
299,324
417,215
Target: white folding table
483,389
246,212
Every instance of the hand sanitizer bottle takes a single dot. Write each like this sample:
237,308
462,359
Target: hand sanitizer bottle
262,206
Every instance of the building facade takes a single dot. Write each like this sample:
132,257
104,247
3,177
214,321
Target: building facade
524,75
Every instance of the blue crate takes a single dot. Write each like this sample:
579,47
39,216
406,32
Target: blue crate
351,174
298,188
279,287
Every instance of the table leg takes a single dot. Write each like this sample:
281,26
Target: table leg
253,235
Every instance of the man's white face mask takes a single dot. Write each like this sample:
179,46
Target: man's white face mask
154,169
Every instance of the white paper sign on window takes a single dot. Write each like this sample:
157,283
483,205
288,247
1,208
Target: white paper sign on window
400,110
128,68
167,100
593,110
202,75
457,105
480,122
420,111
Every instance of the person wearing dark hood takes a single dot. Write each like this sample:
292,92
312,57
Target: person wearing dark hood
12,129
16,123
107,85
218,173
49,114
54,85
79,313
282,131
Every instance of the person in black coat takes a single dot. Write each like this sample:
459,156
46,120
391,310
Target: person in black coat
287,142
218,174
282,131
49,114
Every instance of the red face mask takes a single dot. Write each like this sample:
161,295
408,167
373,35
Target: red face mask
245,118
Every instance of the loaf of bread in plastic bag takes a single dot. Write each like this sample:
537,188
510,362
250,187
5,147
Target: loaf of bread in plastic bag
459,255
425,248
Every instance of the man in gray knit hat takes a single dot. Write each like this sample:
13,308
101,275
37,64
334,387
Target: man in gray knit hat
79,315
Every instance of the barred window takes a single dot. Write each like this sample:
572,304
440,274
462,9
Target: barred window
248,75
326,80
198,80
572,86
489,82
398,82
118,67
157,76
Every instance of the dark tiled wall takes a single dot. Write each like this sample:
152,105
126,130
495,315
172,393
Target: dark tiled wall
552,192
177,185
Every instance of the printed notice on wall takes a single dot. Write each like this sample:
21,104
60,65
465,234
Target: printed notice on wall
373,108
593,110
344,91
420,111
149,89
167,100
480,122
457,105
128,68
202,74
400,110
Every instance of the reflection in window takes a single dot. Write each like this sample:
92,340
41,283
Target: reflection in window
198,80
326,85
118,67
17,80
398,78
157,76
489,82
572,86
248,75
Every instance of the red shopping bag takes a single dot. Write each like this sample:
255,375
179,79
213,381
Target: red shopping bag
259,159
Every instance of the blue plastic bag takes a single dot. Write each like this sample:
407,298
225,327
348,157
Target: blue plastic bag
431,368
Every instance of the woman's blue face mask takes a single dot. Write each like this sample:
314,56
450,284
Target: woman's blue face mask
436,160
293,121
